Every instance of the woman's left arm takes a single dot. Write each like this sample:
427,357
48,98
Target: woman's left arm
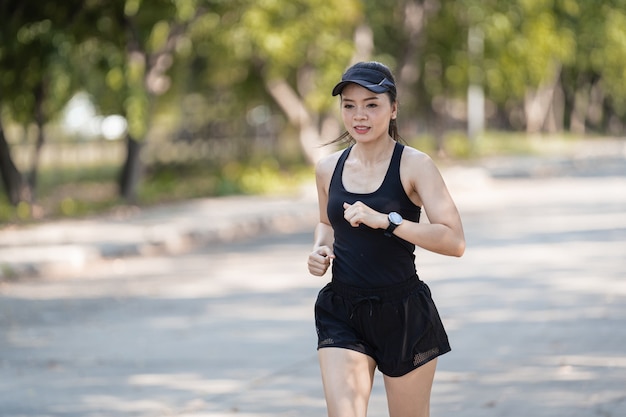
444,232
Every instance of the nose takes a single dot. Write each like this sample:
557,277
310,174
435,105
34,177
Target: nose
360,113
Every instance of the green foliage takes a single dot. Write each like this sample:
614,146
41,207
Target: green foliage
525,47
196,69
266,176
79,193
455,146
246,46
35,42
229,49
612,62
69,192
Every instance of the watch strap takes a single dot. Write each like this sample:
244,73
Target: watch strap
390,229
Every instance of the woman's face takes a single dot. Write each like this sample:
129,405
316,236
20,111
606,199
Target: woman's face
366,115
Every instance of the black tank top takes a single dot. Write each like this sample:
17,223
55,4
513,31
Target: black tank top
365,257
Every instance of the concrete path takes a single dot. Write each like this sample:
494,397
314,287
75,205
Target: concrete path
535,312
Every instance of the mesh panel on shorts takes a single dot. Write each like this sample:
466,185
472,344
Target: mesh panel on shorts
423,357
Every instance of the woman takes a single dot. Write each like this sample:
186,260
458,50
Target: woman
376,312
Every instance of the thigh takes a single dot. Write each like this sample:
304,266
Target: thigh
409,395
347,376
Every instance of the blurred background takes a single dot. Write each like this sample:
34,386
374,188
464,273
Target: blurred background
109,103
127,290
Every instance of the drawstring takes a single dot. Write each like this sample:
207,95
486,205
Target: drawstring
361,300
354,297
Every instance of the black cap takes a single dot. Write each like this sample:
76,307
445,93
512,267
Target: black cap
372,79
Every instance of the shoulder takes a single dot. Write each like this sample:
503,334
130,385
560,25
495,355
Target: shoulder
415,159
418,170
326,165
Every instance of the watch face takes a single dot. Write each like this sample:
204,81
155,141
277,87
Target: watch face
395,218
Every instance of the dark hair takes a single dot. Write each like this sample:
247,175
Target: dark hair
391,93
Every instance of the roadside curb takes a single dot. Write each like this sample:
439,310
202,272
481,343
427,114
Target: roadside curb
59,249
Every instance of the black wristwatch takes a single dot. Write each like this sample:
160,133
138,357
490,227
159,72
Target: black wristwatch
394,221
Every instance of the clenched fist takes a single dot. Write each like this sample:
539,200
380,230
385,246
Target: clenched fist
319,260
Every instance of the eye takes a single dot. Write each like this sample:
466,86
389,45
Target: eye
372,105
348,106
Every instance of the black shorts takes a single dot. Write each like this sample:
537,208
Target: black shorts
398,326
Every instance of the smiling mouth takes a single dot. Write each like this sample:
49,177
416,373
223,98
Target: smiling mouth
361,129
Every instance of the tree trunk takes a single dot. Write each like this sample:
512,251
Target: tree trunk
537,104
131,171
14,185
299,116
363,43
536,108
39,119
408,71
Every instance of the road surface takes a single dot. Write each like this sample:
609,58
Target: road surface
536,313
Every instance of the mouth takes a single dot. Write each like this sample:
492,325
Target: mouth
361,129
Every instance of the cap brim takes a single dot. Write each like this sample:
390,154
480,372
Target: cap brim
378,89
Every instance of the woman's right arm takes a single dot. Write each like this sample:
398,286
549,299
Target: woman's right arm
320,258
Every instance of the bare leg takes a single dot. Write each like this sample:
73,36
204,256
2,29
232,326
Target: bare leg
347,376
409,395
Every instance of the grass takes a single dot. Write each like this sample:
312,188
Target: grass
75,193
458,147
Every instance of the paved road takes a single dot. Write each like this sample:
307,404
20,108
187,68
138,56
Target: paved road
535,312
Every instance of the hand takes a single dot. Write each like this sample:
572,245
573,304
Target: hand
359,213
319,260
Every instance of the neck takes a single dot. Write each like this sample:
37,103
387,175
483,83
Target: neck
374,152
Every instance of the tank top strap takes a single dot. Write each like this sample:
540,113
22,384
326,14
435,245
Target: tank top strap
394,166
338,172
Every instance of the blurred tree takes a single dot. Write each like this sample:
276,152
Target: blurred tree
286,52
132,50
224,67
526,48
400,40
548,65
593,82
610,59
35,78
